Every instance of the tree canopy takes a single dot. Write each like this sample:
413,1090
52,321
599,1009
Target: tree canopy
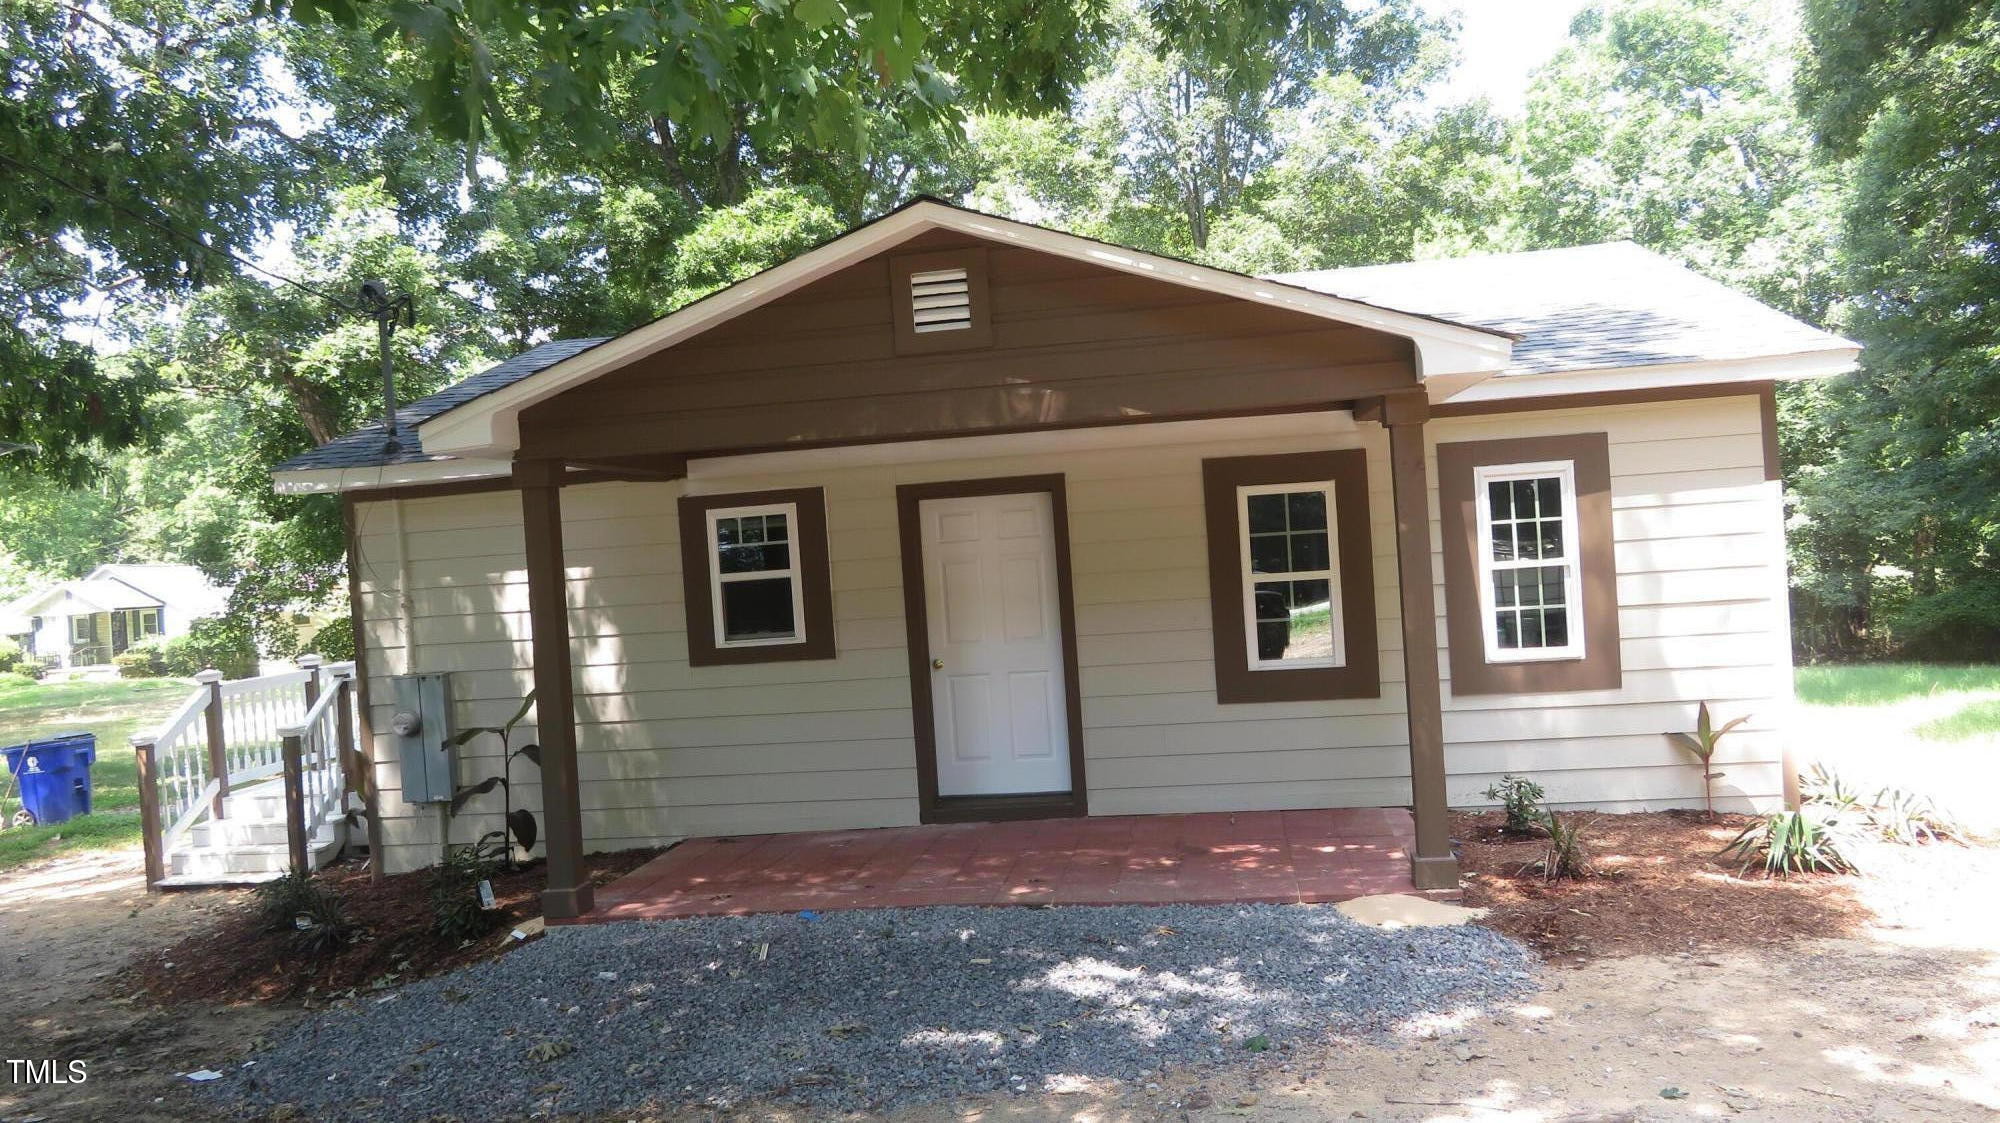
528,169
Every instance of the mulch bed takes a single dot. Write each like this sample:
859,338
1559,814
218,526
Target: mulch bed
238,960
1657,887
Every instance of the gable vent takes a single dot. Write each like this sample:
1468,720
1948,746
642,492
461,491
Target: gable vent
940,300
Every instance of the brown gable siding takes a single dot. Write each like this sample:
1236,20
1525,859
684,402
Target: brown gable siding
1072,344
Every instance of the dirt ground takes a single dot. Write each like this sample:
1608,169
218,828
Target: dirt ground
1899,1017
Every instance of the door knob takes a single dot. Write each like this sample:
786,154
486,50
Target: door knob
937,664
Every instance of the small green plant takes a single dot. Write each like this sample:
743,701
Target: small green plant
141,660
1520,797
1565,856
457,912
308,910
1893,814
1793,842
1702,743
518,827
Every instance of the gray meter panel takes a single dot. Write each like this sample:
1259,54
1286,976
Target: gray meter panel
421,725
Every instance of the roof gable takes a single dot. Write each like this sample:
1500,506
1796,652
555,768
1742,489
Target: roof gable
487,424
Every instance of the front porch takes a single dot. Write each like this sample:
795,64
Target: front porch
1284,857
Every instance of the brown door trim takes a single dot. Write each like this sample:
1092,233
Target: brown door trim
958,809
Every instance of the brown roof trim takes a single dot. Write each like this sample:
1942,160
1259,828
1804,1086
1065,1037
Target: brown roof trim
814,575
1234,680
1638,395
931,808
1465,623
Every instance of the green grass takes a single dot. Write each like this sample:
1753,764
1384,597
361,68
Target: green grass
114,711
1976,720
1879,684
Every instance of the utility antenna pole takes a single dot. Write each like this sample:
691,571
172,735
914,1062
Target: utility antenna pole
389,311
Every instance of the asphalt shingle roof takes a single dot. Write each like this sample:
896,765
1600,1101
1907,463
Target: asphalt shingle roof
1585,308
1616,304
363,447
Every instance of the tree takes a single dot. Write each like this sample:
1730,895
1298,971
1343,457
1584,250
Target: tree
1905,97
137,158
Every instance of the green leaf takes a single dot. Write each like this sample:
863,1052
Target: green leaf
532,752
1686,741
463,795
817,13
522,822
527,704
465,735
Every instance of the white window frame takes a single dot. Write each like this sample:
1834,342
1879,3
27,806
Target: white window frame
1331,575
1565,473
90,628
717,578
154,614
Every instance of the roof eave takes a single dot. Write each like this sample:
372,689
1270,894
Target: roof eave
489,425
1796,366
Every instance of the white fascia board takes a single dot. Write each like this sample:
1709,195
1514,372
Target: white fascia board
321,481
489,425
1772,368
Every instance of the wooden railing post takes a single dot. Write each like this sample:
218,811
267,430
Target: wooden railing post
218,746
295,798
311,665
149,810
343,706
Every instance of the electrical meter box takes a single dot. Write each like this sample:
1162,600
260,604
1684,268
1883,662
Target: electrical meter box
421,725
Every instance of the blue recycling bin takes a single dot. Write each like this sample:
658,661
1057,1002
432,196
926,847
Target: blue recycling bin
54,775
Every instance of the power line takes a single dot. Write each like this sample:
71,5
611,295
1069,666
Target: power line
182,235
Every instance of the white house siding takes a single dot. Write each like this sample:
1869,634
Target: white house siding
1698,534
669,751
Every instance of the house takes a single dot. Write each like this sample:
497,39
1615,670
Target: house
85,622
955,517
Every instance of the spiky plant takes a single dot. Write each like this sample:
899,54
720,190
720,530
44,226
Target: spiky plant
1703,743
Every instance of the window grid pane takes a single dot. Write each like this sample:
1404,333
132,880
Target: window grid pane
1289,555
755,573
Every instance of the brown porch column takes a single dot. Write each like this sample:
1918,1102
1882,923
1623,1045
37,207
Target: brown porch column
567,893
1432,866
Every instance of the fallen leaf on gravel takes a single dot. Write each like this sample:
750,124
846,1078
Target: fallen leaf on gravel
1258,1043
1672,1093
549,1050
1247,1099
845,1029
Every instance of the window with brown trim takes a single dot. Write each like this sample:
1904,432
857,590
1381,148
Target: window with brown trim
939,301
1291,577
1530,579
754,571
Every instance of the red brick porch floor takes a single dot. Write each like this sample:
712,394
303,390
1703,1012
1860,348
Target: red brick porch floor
1260,856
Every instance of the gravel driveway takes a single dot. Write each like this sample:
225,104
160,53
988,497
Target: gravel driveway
867,1009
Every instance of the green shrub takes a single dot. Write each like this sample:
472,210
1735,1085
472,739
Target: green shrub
456,910
1565,856
335,640
18,676
311,912
1792,842
1519,795
1961,623
10,652
143,660
213,641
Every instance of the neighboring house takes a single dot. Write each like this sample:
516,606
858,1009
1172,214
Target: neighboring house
85,622
955,518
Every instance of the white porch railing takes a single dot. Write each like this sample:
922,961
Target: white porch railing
298,724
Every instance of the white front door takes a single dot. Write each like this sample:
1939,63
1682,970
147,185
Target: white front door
996,646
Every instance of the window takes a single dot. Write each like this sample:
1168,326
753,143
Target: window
1528,568
1291,577
754,571
755,577
1291,607
1530,576
149,622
